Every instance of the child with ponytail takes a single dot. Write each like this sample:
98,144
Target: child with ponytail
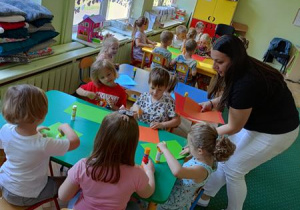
206,148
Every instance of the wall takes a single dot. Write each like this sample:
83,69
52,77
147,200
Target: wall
189,8
268,19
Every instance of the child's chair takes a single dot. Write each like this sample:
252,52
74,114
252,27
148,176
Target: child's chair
84,68
194,203
4,205
158,59
183,69
134,62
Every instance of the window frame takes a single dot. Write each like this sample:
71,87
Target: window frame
103,11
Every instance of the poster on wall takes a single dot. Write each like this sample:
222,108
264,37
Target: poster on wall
297,19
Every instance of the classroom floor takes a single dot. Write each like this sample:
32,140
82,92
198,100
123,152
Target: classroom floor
260,186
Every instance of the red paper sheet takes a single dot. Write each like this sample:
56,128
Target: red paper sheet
148,135
190,109
198,57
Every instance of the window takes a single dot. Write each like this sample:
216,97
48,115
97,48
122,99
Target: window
162,3
111,9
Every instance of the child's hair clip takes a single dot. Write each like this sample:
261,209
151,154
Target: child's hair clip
126,114
220,137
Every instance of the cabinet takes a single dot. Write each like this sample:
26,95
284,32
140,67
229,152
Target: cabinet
213,12
293,67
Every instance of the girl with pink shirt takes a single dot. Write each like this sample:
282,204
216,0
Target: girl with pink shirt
108,178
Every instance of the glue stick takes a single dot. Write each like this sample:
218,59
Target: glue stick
146,155
74,109
59,135
158,155
186,94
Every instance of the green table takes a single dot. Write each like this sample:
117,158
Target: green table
59,101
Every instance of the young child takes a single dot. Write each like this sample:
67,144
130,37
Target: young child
102,90
172,84
109,176
155,107
190,35
166,38
200,29
186,58
204,45
109,48
140,38
205,149
180,36
23,177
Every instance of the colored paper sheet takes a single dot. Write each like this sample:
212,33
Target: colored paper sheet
174,50
124,79
198,57
88,112
148,134
190,109
53,132
196,94
174,147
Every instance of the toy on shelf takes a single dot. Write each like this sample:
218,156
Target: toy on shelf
180,14
90,28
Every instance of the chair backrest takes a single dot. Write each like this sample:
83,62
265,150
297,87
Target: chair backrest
159,59
223,29
183,69
84,67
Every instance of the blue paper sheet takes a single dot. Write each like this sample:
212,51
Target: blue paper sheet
124,80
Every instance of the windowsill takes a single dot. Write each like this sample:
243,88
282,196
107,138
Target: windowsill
63,54
125,35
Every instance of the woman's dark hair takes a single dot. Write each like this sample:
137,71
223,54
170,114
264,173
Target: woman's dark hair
241,63
115,144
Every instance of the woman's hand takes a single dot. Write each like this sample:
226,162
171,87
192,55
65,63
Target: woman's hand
206,106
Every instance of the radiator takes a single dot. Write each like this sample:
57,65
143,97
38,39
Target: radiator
64,78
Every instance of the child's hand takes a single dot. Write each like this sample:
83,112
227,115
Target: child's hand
151,45
137,111
63,127
149,167
40,128
162,146
91,95
157,125
185,150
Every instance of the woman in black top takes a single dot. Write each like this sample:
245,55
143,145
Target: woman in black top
263,120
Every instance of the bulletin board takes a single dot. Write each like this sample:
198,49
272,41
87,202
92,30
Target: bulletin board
297,19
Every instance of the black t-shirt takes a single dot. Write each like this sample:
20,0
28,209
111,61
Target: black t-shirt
271,113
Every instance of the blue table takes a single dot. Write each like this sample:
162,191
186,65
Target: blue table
59,101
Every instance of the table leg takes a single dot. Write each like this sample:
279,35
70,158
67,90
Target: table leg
152,206
143,60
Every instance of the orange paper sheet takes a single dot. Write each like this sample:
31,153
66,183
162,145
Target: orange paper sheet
148,135
198,57
190,109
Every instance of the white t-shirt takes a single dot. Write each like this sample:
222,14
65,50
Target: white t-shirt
176,43
25,171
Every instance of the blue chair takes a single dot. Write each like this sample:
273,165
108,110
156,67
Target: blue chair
194,204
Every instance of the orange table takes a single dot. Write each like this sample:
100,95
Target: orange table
203,67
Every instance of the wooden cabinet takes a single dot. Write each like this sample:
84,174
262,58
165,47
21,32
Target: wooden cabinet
213,12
